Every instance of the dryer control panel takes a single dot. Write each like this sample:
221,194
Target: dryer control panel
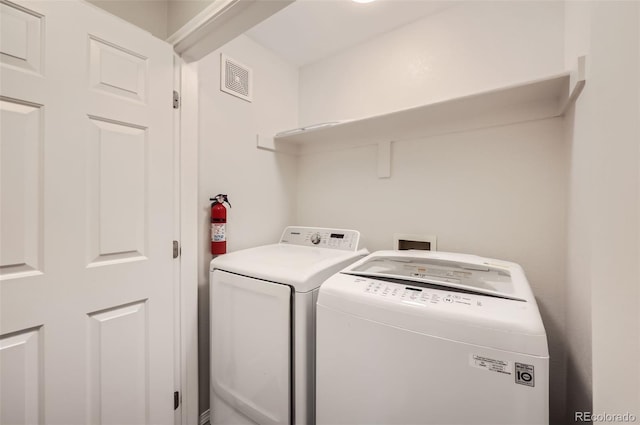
340,239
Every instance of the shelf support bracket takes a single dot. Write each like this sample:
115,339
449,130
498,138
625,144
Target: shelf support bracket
265,143
269,144
384,160
578,80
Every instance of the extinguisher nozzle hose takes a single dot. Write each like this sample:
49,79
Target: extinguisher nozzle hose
220,199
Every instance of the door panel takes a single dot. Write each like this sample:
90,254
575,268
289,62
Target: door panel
114,69
117,191
20,187
118,365
251,348
21,42
21,364
86,218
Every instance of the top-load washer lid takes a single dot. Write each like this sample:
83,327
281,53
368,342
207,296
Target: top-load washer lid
458,297
461,272
304,258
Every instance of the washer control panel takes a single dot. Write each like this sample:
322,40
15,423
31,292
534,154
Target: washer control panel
416,296
340,239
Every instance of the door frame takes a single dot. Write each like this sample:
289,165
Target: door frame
216,25
186,175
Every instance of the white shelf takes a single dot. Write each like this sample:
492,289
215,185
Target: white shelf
533,100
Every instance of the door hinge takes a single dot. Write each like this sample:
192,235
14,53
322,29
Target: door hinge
176,100
176,400
176,249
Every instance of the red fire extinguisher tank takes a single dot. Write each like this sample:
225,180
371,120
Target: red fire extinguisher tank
219,224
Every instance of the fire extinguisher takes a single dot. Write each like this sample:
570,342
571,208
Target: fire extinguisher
219,224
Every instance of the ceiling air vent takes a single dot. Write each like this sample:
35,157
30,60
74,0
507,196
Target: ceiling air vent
235,78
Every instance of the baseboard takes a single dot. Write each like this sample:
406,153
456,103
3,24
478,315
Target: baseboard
205,417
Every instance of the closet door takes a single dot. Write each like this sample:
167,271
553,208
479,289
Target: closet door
86,286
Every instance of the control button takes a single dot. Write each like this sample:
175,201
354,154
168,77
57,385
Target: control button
448,299
316,238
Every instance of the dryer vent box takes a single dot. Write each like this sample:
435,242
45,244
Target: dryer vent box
421,242
236,78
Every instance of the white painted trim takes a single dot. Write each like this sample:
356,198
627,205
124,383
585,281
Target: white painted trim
199,21
220,23
189,240
178,370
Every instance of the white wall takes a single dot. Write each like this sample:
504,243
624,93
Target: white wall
260,184
615,74
148,15
603,329
611,135
580,252
464,49
498,192
160,17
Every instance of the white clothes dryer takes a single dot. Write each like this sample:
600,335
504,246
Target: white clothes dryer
418,337
262,330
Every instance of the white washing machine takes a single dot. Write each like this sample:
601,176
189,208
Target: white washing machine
263,325
417,337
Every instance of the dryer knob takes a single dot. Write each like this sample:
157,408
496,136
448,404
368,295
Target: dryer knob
316,238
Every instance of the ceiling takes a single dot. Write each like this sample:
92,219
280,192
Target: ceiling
309,30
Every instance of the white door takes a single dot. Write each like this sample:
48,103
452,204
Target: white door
86,218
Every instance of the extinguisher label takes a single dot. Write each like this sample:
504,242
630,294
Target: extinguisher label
218,232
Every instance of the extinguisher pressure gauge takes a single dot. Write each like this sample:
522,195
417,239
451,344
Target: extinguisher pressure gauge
316,238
